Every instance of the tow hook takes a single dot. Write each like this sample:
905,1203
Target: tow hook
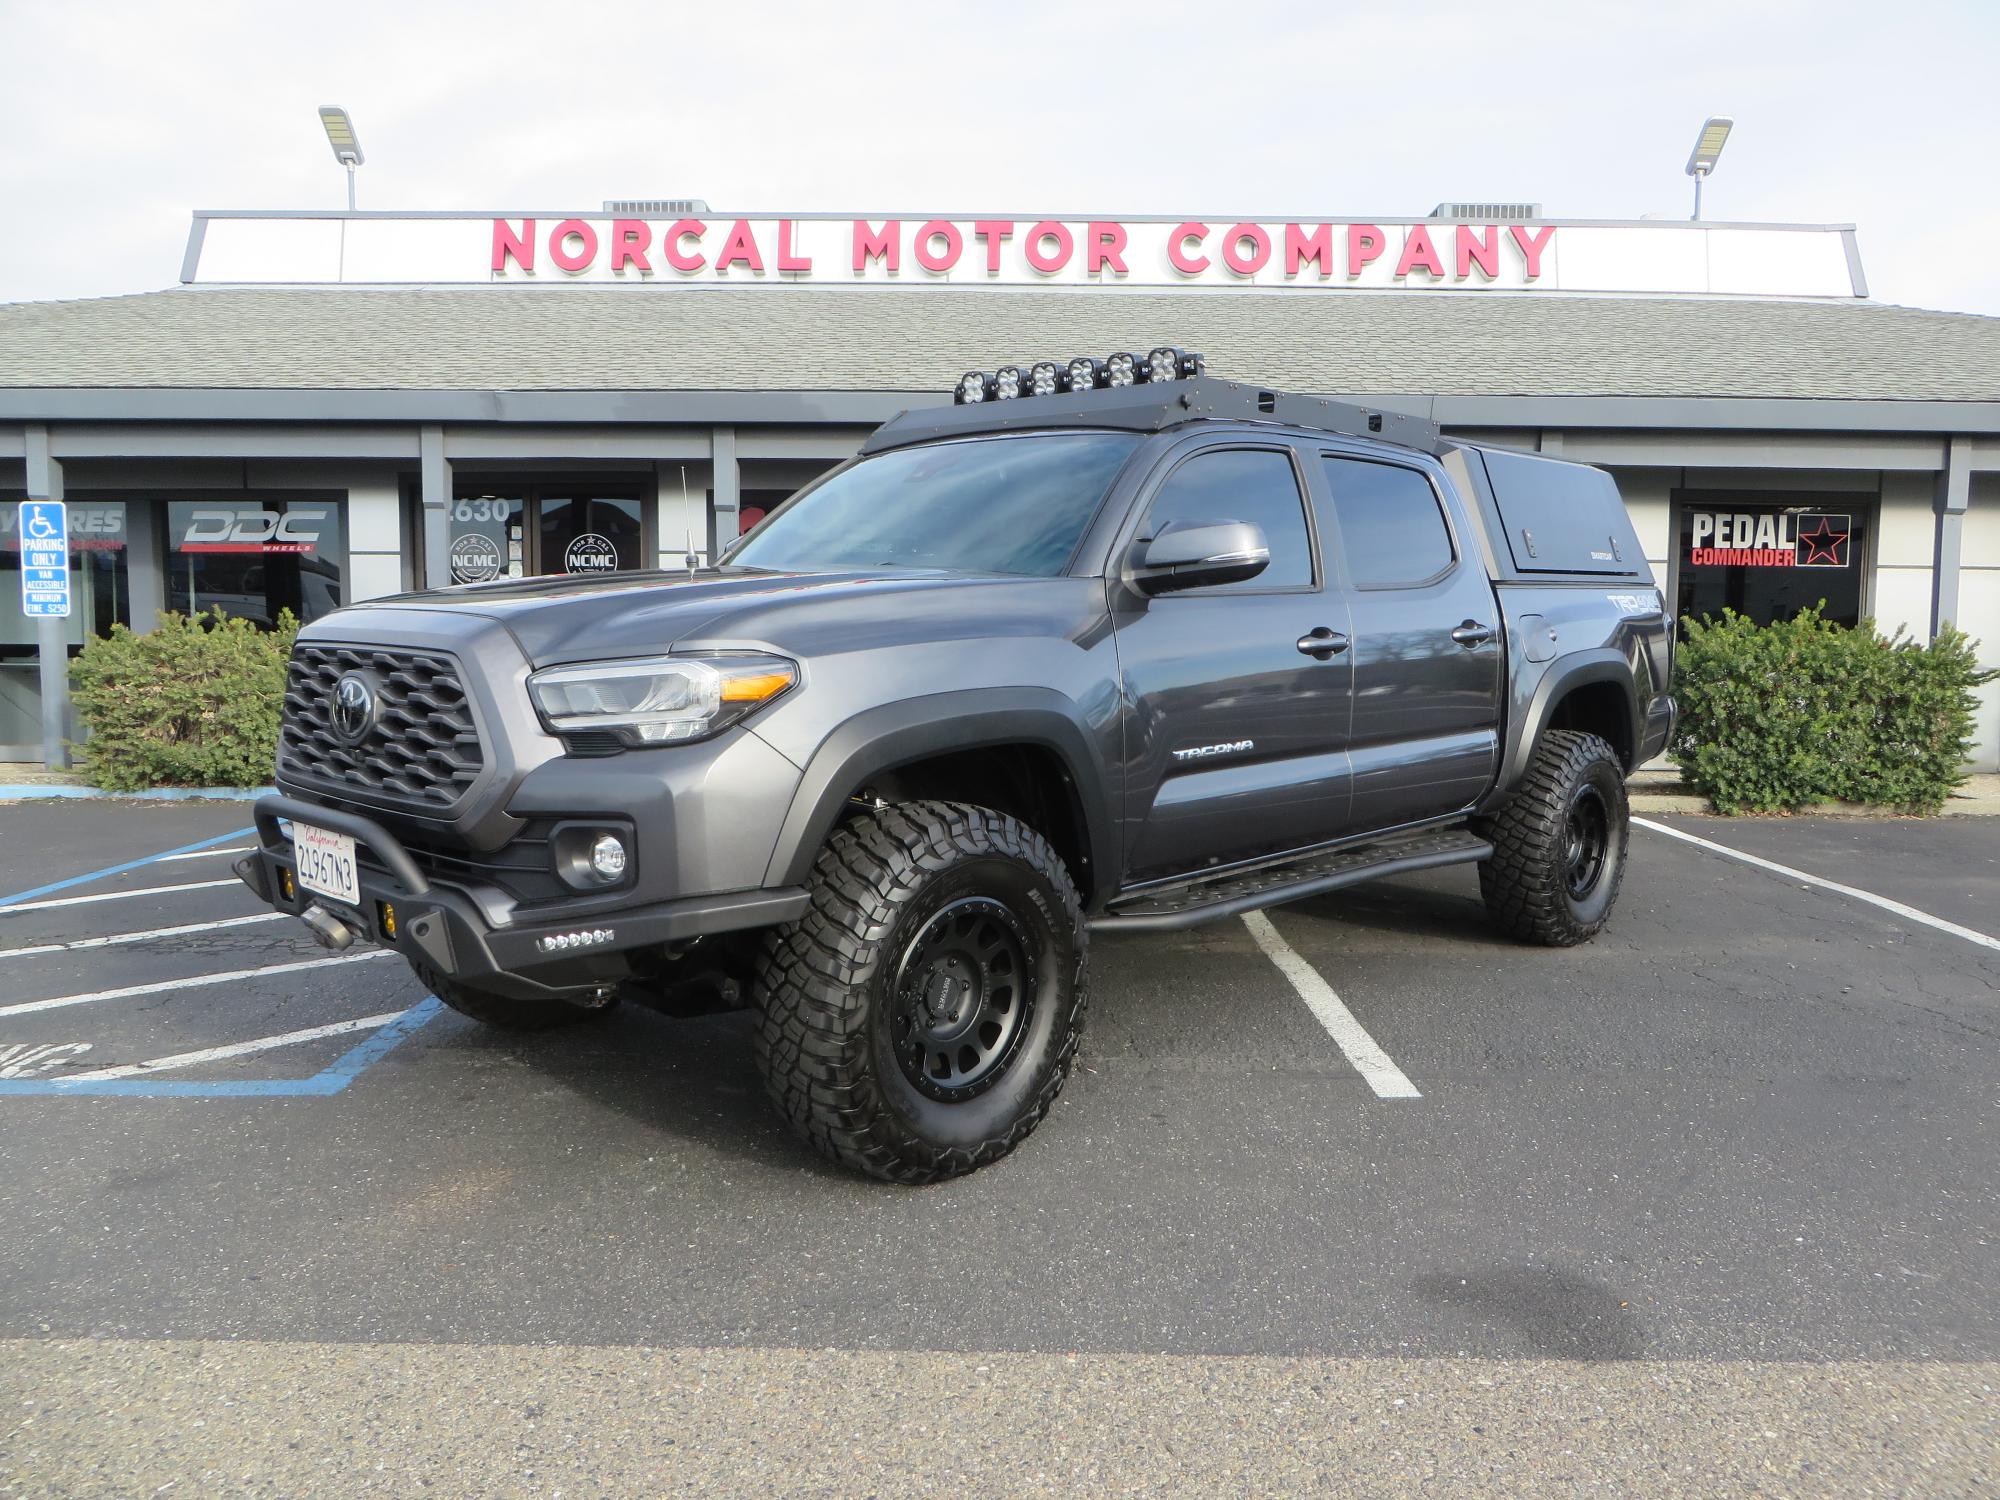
328,930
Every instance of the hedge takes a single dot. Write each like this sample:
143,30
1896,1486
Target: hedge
194,702
1774,718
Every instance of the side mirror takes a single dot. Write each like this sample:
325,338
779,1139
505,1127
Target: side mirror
1198,554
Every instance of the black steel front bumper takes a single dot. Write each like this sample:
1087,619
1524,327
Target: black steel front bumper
443,927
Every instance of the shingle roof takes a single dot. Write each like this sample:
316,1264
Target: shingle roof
799,338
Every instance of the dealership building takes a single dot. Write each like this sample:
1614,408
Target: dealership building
331,407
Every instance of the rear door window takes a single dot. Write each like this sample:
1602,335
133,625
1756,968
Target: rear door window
1392,529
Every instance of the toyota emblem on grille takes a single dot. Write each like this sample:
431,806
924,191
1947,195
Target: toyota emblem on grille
353,707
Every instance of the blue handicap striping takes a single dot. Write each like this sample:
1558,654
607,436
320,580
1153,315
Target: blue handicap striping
108,871
330,1080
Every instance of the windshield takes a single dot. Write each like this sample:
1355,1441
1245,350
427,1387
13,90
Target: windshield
992,505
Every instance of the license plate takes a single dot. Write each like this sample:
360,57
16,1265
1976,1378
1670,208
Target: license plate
325,863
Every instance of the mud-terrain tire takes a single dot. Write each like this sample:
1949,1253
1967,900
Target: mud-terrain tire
921,1017
504,1012
1559,843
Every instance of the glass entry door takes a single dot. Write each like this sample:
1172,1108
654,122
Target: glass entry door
503,529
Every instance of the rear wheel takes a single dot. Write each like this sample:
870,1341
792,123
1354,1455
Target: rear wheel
1559,843
503,1012
922,1016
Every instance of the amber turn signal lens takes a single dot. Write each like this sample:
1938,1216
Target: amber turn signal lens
387,911
285,883
755,687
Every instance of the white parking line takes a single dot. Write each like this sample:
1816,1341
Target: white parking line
167,859
1369,1060
1789,873
140,937
151,890
234,1049
197,981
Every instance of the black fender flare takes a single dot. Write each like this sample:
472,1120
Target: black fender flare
1574,670
895,734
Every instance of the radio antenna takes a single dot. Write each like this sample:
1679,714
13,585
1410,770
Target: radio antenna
687,527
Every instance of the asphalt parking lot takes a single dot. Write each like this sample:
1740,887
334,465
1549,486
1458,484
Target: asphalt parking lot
1708,1205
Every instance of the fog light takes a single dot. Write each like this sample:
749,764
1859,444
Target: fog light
607,856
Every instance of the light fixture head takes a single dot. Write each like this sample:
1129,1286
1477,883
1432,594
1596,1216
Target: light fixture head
1708,145
340,135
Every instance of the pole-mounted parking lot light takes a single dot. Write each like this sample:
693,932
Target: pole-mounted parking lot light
346,144
1707,151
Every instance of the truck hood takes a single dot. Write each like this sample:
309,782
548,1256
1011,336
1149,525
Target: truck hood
566,619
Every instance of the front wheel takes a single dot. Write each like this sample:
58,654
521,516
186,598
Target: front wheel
919,1020
1559,843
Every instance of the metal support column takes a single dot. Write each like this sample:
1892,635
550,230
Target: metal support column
45,482
1954,497
435,483
728,502
145,570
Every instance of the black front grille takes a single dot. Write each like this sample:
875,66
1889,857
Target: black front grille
521,867
421,749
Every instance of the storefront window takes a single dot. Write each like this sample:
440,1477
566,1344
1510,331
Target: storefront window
487,538
100,596
1770,559
500,529
593,535
255,559
99,592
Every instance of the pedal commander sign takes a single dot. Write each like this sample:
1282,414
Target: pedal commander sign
1769,539
919,249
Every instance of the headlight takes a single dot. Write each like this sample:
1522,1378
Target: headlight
659,700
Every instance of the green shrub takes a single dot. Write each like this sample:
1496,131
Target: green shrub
193,703
1779,717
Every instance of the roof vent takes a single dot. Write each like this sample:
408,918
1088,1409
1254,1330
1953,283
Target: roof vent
1488,213
658,208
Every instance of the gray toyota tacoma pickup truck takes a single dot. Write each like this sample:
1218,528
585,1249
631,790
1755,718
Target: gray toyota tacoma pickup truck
1106,644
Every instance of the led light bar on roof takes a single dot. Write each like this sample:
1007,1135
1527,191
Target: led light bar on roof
1050,377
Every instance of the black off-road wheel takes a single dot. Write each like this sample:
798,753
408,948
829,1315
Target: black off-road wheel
504,1012
919,1020
1559,844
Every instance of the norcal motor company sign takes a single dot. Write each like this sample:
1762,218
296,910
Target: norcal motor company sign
428,249
1148,252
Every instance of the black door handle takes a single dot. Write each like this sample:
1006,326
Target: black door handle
1472,633
1323,643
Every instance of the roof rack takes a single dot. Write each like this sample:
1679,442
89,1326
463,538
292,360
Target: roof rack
1154,408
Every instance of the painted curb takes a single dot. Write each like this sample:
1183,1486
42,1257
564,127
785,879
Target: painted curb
157,794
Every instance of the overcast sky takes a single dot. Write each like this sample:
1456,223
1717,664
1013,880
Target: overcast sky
118,119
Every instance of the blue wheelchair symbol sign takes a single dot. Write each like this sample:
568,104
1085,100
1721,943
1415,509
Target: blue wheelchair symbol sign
43,529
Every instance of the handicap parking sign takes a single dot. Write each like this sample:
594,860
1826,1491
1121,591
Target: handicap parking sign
44,533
